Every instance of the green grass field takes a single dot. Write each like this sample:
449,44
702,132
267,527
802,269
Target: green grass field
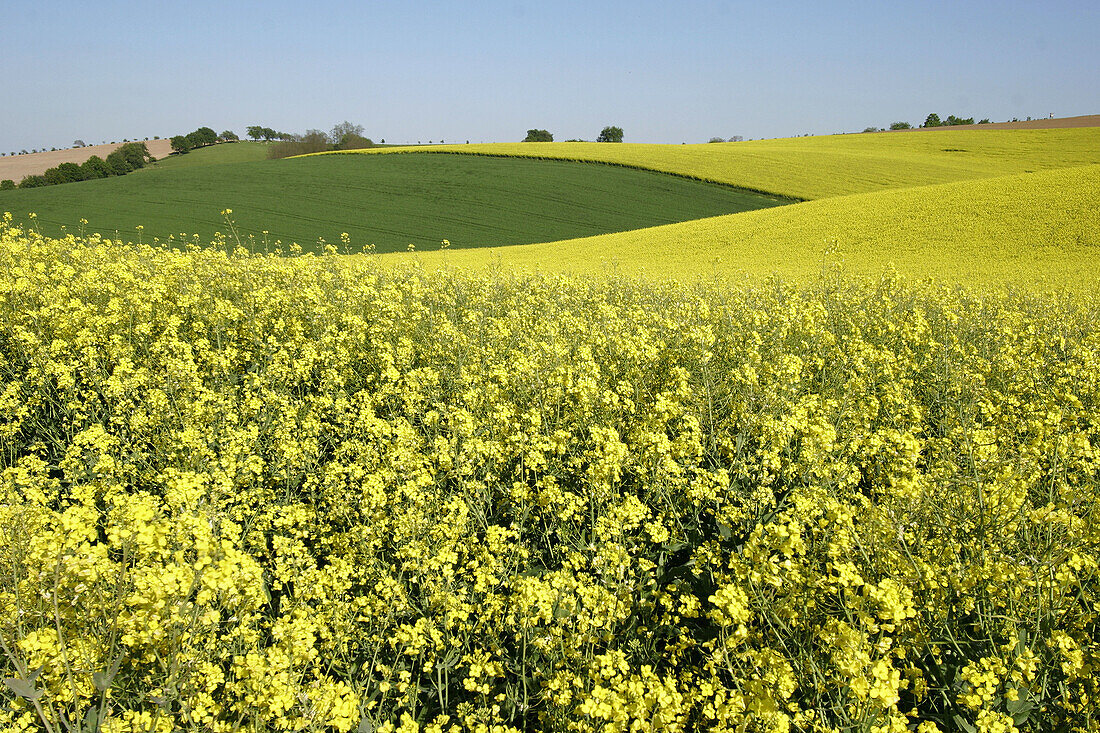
241,152
388,201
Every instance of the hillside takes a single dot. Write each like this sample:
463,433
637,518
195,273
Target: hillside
15,167
837,165
389,202
1024,229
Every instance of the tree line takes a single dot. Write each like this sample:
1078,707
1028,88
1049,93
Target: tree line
932,120
609,134
344,136
126,158
200,138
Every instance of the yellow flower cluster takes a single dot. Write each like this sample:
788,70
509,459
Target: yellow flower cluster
311,494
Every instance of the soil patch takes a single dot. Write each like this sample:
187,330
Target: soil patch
16,167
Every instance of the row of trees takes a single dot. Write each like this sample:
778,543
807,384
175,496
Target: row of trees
258,132
344,136
126,158
932,120
201,138
609,134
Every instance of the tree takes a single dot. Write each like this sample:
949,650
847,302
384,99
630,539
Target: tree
610,135
900,126
78,143
229,136
180,144
345,130
33,182
953,120
71,172
95,167
538,136
932,120
54,177
254,131
7,185
136,154
118,164
204,136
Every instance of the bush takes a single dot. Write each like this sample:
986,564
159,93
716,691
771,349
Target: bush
314,141
33,181
7,184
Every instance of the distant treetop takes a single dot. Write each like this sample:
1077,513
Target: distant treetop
610,135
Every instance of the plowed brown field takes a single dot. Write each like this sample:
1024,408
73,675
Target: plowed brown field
16,167
1044,124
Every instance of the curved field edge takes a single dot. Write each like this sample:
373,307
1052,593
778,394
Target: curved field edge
1040,229
821,167
387,203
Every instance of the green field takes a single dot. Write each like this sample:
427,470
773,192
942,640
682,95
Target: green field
242,152
389,201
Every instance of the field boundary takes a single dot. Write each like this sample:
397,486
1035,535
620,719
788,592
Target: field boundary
701,179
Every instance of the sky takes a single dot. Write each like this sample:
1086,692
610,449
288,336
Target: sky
488,71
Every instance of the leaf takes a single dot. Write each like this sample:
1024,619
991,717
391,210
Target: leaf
963,725
91,721
23,688
1020,709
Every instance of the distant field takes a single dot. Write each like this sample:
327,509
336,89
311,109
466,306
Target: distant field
836,165
16,167
389,201
241,152
1040,229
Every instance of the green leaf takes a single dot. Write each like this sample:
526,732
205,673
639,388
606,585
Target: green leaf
23,688
91,721
964,725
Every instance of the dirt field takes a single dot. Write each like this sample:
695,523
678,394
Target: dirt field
17,166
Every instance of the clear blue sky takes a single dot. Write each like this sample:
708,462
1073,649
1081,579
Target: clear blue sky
488,71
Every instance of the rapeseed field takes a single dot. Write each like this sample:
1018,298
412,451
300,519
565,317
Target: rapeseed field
241,492
1025,230
834,165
